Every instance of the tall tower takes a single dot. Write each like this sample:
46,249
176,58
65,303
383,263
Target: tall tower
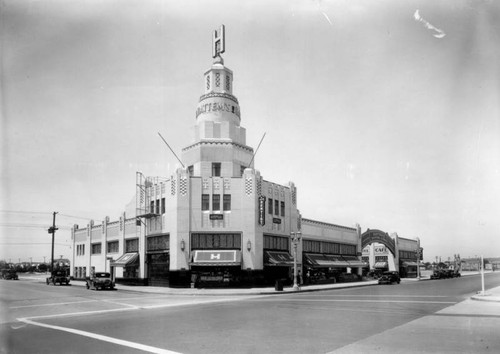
219,147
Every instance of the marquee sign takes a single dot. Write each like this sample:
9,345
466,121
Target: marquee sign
262,210
377,236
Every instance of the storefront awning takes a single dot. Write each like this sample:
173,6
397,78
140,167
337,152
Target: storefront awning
275,258
216,258
410,264
325,261
354,261
126,259
380,265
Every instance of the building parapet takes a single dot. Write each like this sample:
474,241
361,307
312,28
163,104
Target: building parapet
322,223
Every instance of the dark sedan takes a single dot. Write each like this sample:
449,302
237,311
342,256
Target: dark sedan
389,278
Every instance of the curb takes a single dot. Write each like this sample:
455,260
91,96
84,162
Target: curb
486,298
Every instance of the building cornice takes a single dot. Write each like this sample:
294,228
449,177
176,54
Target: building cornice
218,142
310,221
219,94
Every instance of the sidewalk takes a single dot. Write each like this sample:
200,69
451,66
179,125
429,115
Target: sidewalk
490,295
232,291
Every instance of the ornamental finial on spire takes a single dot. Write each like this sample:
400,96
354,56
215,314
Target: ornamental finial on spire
218,42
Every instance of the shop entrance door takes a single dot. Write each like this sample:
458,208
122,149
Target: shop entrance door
158,269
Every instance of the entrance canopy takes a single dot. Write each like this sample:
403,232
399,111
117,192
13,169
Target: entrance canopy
325,261
216,258
275,258
126,259
380,265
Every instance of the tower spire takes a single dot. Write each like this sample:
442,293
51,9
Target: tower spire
219,43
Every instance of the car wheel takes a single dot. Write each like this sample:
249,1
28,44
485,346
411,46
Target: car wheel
47,281
87,286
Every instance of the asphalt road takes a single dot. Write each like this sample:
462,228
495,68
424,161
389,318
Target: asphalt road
37,318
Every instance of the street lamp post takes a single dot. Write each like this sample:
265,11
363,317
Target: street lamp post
418,258
295,236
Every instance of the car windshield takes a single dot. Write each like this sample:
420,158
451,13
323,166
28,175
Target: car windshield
102,275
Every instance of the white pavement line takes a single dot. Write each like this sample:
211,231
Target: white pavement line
423,296
371,301
122,342
121,304
184,303
53,304
80,313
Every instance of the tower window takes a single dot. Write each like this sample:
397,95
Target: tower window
227,202
282,208
208,82
276,207
217,79
270,206
215,201
216,169
228,84
205,202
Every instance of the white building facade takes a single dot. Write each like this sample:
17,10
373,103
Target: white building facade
216,220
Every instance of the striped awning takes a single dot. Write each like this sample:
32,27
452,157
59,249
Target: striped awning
354,261
126,259
325,261
277,258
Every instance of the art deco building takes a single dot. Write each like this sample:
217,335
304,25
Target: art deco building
216,220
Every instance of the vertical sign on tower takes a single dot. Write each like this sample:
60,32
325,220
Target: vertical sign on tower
218,42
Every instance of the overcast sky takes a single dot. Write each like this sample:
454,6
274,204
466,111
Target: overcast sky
383,113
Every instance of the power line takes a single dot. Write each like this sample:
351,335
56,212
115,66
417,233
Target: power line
24,212
76,217
33,243
32,226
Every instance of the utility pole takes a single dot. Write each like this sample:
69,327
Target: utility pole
52,230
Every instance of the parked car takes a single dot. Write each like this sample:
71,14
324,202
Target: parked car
58,276
100,280
389,277
9,274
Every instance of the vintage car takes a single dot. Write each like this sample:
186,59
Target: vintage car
58,276
100,280
9,274
389,277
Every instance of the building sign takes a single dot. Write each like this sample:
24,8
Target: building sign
379,249
216,216
276,221
262,210
217,107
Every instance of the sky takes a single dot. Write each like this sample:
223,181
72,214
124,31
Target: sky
383,113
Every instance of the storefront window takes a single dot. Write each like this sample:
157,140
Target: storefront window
132,245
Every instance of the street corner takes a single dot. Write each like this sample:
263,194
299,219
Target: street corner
489,297
493,295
